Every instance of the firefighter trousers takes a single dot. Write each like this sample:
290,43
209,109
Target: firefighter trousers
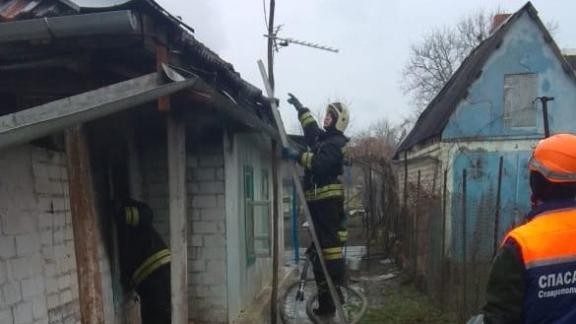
327,215
154,291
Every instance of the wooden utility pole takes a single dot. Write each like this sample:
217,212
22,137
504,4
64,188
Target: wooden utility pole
275,181
271,44
270,85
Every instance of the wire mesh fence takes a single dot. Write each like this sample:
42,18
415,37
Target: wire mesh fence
442,228
449,241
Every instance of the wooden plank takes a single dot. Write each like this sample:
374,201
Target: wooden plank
176,142
85,227
162,58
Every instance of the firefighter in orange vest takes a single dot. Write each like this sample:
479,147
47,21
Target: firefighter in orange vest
323,163
144,262
533,277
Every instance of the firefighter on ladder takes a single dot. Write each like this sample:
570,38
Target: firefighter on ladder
534,272
144,262
323,164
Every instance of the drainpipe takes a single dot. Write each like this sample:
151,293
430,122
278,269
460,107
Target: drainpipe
123,22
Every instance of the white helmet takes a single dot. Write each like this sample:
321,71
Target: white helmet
340,112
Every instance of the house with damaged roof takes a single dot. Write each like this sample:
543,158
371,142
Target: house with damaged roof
108,100
470,147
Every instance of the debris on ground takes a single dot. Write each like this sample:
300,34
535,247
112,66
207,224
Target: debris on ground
386,276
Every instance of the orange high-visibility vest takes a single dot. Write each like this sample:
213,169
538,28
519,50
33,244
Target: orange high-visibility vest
548,247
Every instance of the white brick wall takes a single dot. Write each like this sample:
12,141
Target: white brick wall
206,221
207,280
38,282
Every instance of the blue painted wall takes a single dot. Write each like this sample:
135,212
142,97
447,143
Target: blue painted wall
523,50
479,117
481,193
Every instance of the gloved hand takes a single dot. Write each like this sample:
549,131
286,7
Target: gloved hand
290,154
295,102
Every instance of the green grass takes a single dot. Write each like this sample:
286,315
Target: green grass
406,307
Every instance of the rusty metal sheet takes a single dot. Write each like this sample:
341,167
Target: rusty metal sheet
15,8
25,9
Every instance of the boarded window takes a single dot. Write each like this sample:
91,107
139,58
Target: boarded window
520,90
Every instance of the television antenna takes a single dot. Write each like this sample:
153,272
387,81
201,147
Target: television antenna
285,41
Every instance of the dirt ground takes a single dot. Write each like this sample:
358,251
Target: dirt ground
394,300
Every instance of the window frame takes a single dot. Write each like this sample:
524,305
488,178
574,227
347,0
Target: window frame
248,196
262,224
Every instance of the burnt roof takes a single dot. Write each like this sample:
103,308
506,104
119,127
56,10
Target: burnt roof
434,118
26,9
214,69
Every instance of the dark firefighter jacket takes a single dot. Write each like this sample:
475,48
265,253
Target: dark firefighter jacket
323,163
142,250
533,278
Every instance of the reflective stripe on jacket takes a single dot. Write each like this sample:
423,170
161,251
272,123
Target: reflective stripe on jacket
548,249
151,264
329,191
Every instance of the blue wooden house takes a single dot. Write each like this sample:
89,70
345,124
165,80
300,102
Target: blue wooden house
488,112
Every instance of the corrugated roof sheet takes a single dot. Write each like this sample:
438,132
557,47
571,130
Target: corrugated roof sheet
434,118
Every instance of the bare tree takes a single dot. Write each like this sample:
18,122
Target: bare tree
370,153
473,29
433,61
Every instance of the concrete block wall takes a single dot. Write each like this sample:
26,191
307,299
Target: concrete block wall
38,280
206,221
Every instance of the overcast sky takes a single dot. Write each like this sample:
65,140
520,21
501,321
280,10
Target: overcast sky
373,37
